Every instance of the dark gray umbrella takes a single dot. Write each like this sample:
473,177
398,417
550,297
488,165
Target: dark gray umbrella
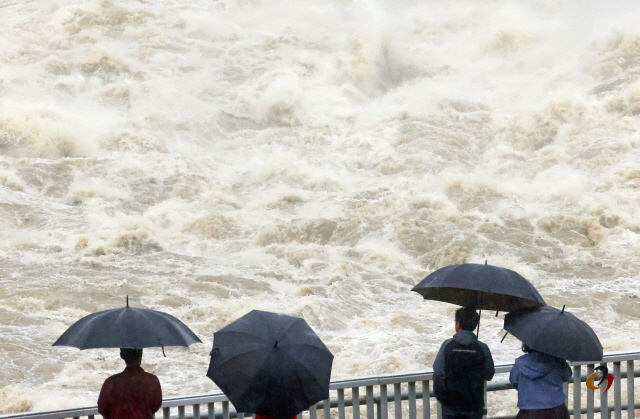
483,287
127,327
555,332
270,364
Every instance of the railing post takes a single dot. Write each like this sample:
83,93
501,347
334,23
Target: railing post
384,409
604,402
439,410
397,400
225,410
631,413
426,400
355,402
341,414
590,402
486,405
412,400
180,412
211,413
326,409
617,391
313,412
369,402
166,413
577,384
196,411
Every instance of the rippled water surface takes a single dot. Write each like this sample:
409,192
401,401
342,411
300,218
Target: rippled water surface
316,158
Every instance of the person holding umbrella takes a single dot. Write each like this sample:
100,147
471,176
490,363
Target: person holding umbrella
461,368
538,377
131,394
464,363
270,364
549,337
134,393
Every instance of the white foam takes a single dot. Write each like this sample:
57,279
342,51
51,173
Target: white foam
318,159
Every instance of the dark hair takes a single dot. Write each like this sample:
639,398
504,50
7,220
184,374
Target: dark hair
526,349
131,355
467,318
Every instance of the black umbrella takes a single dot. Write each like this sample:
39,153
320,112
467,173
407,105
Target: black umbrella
127,327
555,332
270,364
483,287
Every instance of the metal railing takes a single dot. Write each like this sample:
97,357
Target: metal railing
403,396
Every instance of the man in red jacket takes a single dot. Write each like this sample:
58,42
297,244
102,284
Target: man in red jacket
132,394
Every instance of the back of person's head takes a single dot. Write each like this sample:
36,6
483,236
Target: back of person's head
131,356
526,349
467,318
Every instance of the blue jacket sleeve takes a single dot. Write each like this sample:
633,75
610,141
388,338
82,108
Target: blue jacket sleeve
566,372
514,374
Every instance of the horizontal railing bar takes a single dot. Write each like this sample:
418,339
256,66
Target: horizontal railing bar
596,409
348,402
424,375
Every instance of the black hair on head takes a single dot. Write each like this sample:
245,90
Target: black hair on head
467,318
131,355
526,349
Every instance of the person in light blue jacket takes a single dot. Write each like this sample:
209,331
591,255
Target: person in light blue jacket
539,380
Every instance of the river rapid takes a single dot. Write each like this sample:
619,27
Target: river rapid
316,158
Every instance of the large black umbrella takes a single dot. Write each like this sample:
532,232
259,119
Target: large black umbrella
555,332
483,287
127,327
270,364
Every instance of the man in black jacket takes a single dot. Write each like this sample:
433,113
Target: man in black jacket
461,368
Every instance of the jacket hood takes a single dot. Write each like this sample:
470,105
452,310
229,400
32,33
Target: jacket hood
465,337
535,365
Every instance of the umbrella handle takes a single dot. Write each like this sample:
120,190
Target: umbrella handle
162,346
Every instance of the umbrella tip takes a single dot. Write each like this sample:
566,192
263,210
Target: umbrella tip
127,301
563,306
485,261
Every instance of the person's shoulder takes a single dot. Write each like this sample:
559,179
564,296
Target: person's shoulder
524,358
483,346
112,379
445,343
151,376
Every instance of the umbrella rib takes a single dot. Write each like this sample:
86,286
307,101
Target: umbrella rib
284,332
305,368
323,348
87,324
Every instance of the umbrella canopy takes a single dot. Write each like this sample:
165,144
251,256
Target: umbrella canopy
555,332
127,327
483,287
270,364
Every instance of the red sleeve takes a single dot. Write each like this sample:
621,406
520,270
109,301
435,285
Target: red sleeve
156,398
104,399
